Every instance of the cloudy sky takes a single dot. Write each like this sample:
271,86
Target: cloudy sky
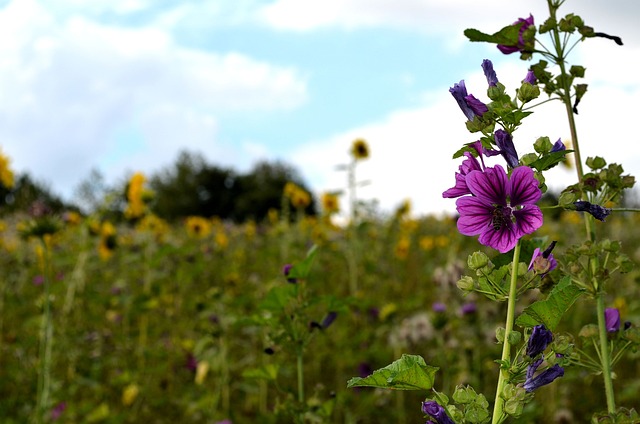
124,85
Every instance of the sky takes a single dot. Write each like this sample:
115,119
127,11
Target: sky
123,86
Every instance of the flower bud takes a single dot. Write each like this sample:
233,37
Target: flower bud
466,283
477,260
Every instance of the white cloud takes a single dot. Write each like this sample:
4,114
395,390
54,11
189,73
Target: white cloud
69,86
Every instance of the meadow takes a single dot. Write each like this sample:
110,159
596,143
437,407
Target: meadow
196,322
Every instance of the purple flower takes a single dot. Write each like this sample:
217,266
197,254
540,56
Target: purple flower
328,320
598,212
530,78
558,146
439,307
520,45
286,270
57,411
612,319
489,73
434,410
500,210
461,188
543,262
468,308
469,105
507,149
38,280
542,379
538,340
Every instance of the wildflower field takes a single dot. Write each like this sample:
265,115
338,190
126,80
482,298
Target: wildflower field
522,307
187,322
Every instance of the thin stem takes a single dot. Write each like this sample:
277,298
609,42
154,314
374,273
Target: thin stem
300,377
498,414
605,355
46,336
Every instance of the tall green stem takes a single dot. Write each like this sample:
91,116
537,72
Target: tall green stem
498,414
605,356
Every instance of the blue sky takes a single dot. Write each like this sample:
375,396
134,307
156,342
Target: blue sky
124,85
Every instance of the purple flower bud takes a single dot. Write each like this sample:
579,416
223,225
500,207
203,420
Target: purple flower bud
489,73
520,45
542,379
434,410
627,325
530,78
558,146
328,320
57,411
543,262
286,270
600,213
476,105
505,144
612,319
538,340
459,92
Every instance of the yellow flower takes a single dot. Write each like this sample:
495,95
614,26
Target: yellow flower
201,372
387,310
108,240
404,209
198,226
129,394
360,149
153,224
250,229
72,218
426,243
136,195
6,174
330,203
221,239
298,196
402,248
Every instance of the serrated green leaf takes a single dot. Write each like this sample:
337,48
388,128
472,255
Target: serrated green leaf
507,35
267,372
279,297
410,372
550,310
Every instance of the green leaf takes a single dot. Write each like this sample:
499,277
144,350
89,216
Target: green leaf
507,35
550,160
410,372
301,270
278,298
550,310
267,372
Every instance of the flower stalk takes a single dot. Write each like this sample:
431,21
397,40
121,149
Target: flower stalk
498,406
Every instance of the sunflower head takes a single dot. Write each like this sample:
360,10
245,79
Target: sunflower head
360,149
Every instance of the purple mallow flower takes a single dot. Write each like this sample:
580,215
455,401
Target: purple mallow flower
543,262
468,308
538,340
530,78
507,149
612,319
520,45
437,412
545,377
489,73
461,188
470,106
500,210
600,213
439,307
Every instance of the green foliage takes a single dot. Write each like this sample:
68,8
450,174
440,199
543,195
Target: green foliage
410,372
551,310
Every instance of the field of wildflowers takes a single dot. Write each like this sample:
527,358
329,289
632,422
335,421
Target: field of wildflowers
296,319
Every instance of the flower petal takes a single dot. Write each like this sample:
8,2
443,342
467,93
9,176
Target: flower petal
489,186
523,186
503,239
475,215
528,219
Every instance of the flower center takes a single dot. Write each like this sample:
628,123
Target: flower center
501,217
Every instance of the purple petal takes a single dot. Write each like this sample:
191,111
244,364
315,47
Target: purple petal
459,92
528,219
460,189
489,186
524,187
489,73
503,240
475,215
476,105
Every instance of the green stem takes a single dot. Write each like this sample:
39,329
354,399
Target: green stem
589,227
605,354
300,377
498,414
